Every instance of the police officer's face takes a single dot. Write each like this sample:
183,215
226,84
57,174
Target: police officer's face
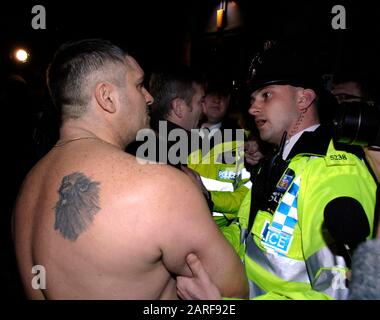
275,110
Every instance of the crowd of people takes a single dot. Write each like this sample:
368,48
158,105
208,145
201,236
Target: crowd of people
206,209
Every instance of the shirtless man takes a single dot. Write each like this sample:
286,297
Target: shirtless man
102,225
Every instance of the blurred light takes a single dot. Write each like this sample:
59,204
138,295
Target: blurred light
220,14
21,55
219,18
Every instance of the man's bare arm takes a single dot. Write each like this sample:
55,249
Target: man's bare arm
187,227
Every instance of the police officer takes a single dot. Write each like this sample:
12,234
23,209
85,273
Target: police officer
221,168
280,233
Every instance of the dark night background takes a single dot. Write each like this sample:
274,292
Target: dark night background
157,33
184,31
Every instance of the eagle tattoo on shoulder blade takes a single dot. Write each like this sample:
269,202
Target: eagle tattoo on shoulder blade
77,205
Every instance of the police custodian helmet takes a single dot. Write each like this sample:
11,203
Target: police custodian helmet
283,65
278,64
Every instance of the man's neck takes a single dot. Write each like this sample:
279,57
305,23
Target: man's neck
289,144
76,129
177,122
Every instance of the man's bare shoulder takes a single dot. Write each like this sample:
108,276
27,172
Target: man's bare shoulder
164,194
165,182
132,173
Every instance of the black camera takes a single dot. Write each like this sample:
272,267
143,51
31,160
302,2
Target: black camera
357,123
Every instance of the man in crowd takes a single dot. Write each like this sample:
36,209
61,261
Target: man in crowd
101,225
350,88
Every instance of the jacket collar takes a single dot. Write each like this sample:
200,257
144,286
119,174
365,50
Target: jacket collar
312,142
155,121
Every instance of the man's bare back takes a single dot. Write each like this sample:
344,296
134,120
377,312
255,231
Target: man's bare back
112,250
121,234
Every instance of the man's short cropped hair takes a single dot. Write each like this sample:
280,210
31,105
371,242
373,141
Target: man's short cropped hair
74,63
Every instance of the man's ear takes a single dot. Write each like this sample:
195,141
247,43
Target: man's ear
306,98
177,106
204,109
105,95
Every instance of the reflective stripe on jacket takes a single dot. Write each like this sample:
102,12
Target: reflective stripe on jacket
223,174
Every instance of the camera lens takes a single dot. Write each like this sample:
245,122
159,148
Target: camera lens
357,123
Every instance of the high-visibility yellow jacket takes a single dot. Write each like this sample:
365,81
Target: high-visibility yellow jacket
227,181
285,253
